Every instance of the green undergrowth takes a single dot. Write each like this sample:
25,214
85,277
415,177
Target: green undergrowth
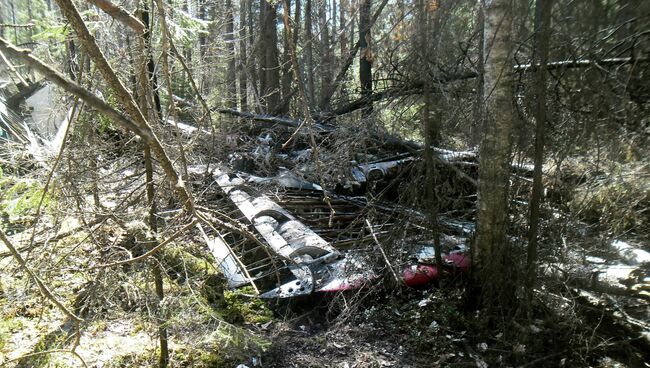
234,306
19,200
182,264
241,307
201,335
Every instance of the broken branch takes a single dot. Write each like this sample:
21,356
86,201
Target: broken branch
415,88
119,14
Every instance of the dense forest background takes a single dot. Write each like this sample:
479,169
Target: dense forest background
526,121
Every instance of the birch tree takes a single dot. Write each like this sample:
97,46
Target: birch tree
491,244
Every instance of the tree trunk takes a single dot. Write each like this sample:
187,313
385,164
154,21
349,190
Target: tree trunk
151,66
309,52
254,81
365,61
326,56
203,10
243,88
261,51
229,38
270,70
161,319
343,42
171,107
350,56
73,56
542,30
479,105
296,28
431,132
2,18
283,109
333,39
13,19
30,15
491,248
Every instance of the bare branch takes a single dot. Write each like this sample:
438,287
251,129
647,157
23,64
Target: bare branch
350,58
119,14
415,88
291,123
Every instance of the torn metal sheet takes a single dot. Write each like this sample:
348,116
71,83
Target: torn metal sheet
227,262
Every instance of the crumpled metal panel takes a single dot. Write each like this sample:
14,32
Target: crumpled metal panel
284,234
315,265
303,249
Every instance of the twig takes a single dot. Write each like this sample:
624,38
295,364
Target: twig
381,249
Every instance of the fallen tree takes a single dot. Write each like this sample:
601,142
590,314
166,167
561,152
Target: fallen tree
416,87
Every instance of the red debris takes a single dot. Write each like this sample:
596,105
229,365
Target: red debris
425,274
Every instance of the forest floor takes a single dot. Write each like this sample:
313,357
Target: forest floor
375,328
382,331
210,326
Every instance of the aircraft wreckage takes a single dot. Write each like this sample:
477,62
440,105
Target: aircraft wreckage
309,240
292,258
